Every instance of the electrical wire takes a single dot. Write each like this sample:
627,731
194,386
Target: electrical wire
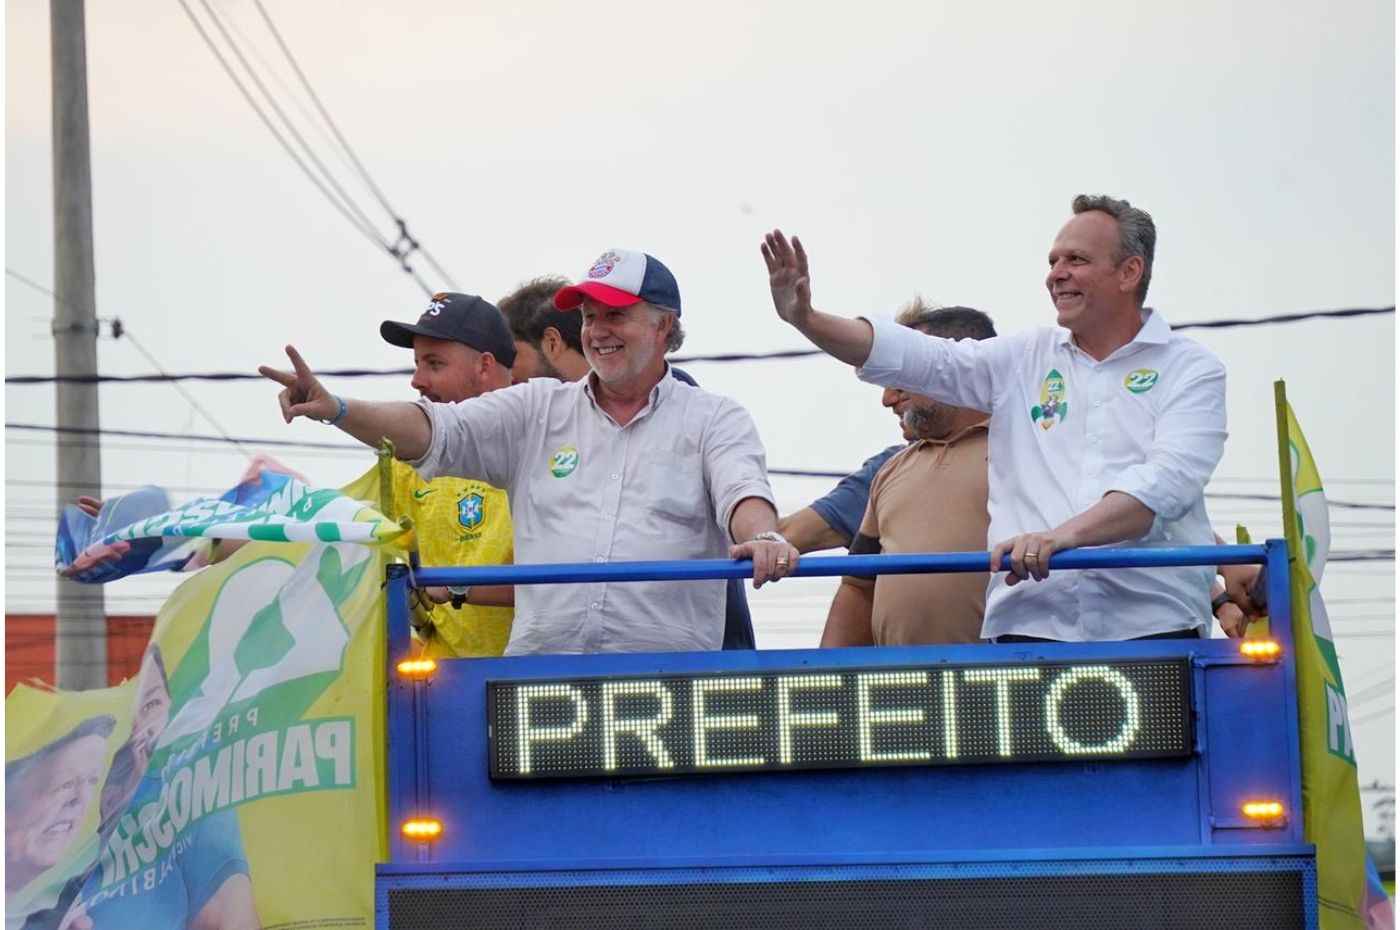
350,151
679,359
369,232
348,447
150,358
287,123
1383,712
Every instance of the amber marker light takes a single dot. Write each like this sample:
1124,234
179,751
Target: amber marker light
422,829
1260,650
1264,813
417,668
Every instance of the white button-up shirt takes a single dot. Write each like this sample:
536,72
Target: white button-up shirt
1149,421
584,489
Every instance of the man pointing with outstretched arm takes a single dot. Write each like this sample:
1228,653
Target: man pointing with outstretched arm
1104,429
626,464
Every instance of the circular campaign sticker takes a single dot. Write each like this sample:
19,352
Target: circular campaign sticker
563,462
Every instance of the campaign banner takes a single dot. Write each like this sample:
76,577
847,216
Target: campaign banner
1331,797
236,781
143,532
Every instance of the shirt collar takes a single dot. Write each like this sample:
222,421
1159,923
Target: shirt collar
957,437
659,392
943,445
1154,331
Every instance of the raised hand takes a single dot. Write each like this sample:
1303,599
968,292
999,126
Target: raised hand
302,395
788,276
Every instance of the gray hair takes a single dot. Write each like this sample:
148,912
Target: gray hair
947,322
1137,234
676,336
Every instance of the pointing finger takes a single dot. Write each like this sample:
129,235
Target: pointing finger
284,378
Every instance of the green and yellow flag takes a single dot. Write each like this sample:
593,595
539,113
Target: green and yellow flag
237,780
1331,799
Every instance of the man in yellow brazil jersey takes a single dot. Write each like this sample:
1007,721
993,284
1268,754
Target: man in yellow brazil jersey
462,348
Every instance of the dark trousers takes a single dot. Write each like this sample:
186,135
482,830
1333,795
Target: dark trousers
1018,638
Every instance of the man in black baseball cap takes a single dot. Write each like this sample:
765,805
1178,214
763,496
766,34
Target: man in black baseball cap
461,347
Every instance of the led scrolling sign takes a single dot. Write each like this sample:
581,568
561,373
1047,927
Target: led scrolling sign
705,723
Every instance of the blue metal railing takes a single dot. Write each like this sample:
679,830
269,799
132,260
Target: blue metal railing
818,566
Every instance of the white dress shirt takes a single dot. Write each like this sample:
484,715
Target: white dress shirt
1149,421
584,489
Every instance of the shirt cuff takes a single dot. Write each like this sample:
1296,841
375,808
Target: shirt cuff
832,516
1146,492
886,353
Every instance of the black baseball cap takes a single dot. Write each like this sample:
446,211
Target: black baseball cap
463,318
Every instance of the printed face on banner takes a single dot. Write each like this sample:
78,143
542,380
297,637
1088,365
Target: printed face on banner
152,710
46,803
225,729
146,811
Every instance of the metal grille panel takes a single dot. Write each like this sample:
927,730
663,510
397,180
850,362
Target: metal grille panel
1228,900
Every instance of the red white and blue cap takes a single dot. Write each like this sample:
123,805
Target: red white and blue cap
621,278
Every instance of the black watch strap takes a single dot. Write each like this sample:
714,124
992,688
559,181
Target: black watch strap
1219,601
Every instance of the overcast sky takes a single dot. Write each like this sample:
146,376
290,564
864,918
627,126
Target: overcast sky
927,147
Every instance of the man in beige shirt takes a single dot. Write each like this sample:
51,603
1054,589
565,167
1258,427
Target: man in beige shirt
625,465
930,497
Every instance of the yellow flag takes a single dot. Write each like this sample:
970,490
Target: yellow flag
237,779
1331,799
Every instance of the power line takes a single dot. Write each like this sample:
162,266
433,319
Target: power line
188,437
348,447
1385,687
201,376
1383,712
1273,498
120,330
189,398
1286,318
407,239
405,245
369,232
291,128
679,359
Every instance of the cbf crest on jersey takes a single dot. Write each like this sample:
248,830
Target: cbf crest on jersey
1053,408
471,510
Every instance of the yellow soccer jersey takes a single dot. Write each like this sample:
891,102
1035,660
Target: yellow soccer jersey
459,522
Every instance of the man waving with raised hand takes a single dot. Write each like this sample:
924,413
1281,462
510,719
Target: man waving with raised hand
1104,428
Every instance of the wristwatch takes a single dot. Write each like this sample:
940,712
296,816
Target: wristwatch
769,536
459,593
1219,601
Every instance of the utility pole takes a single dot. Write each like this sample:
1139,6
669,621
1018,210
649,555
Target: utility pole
81,629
